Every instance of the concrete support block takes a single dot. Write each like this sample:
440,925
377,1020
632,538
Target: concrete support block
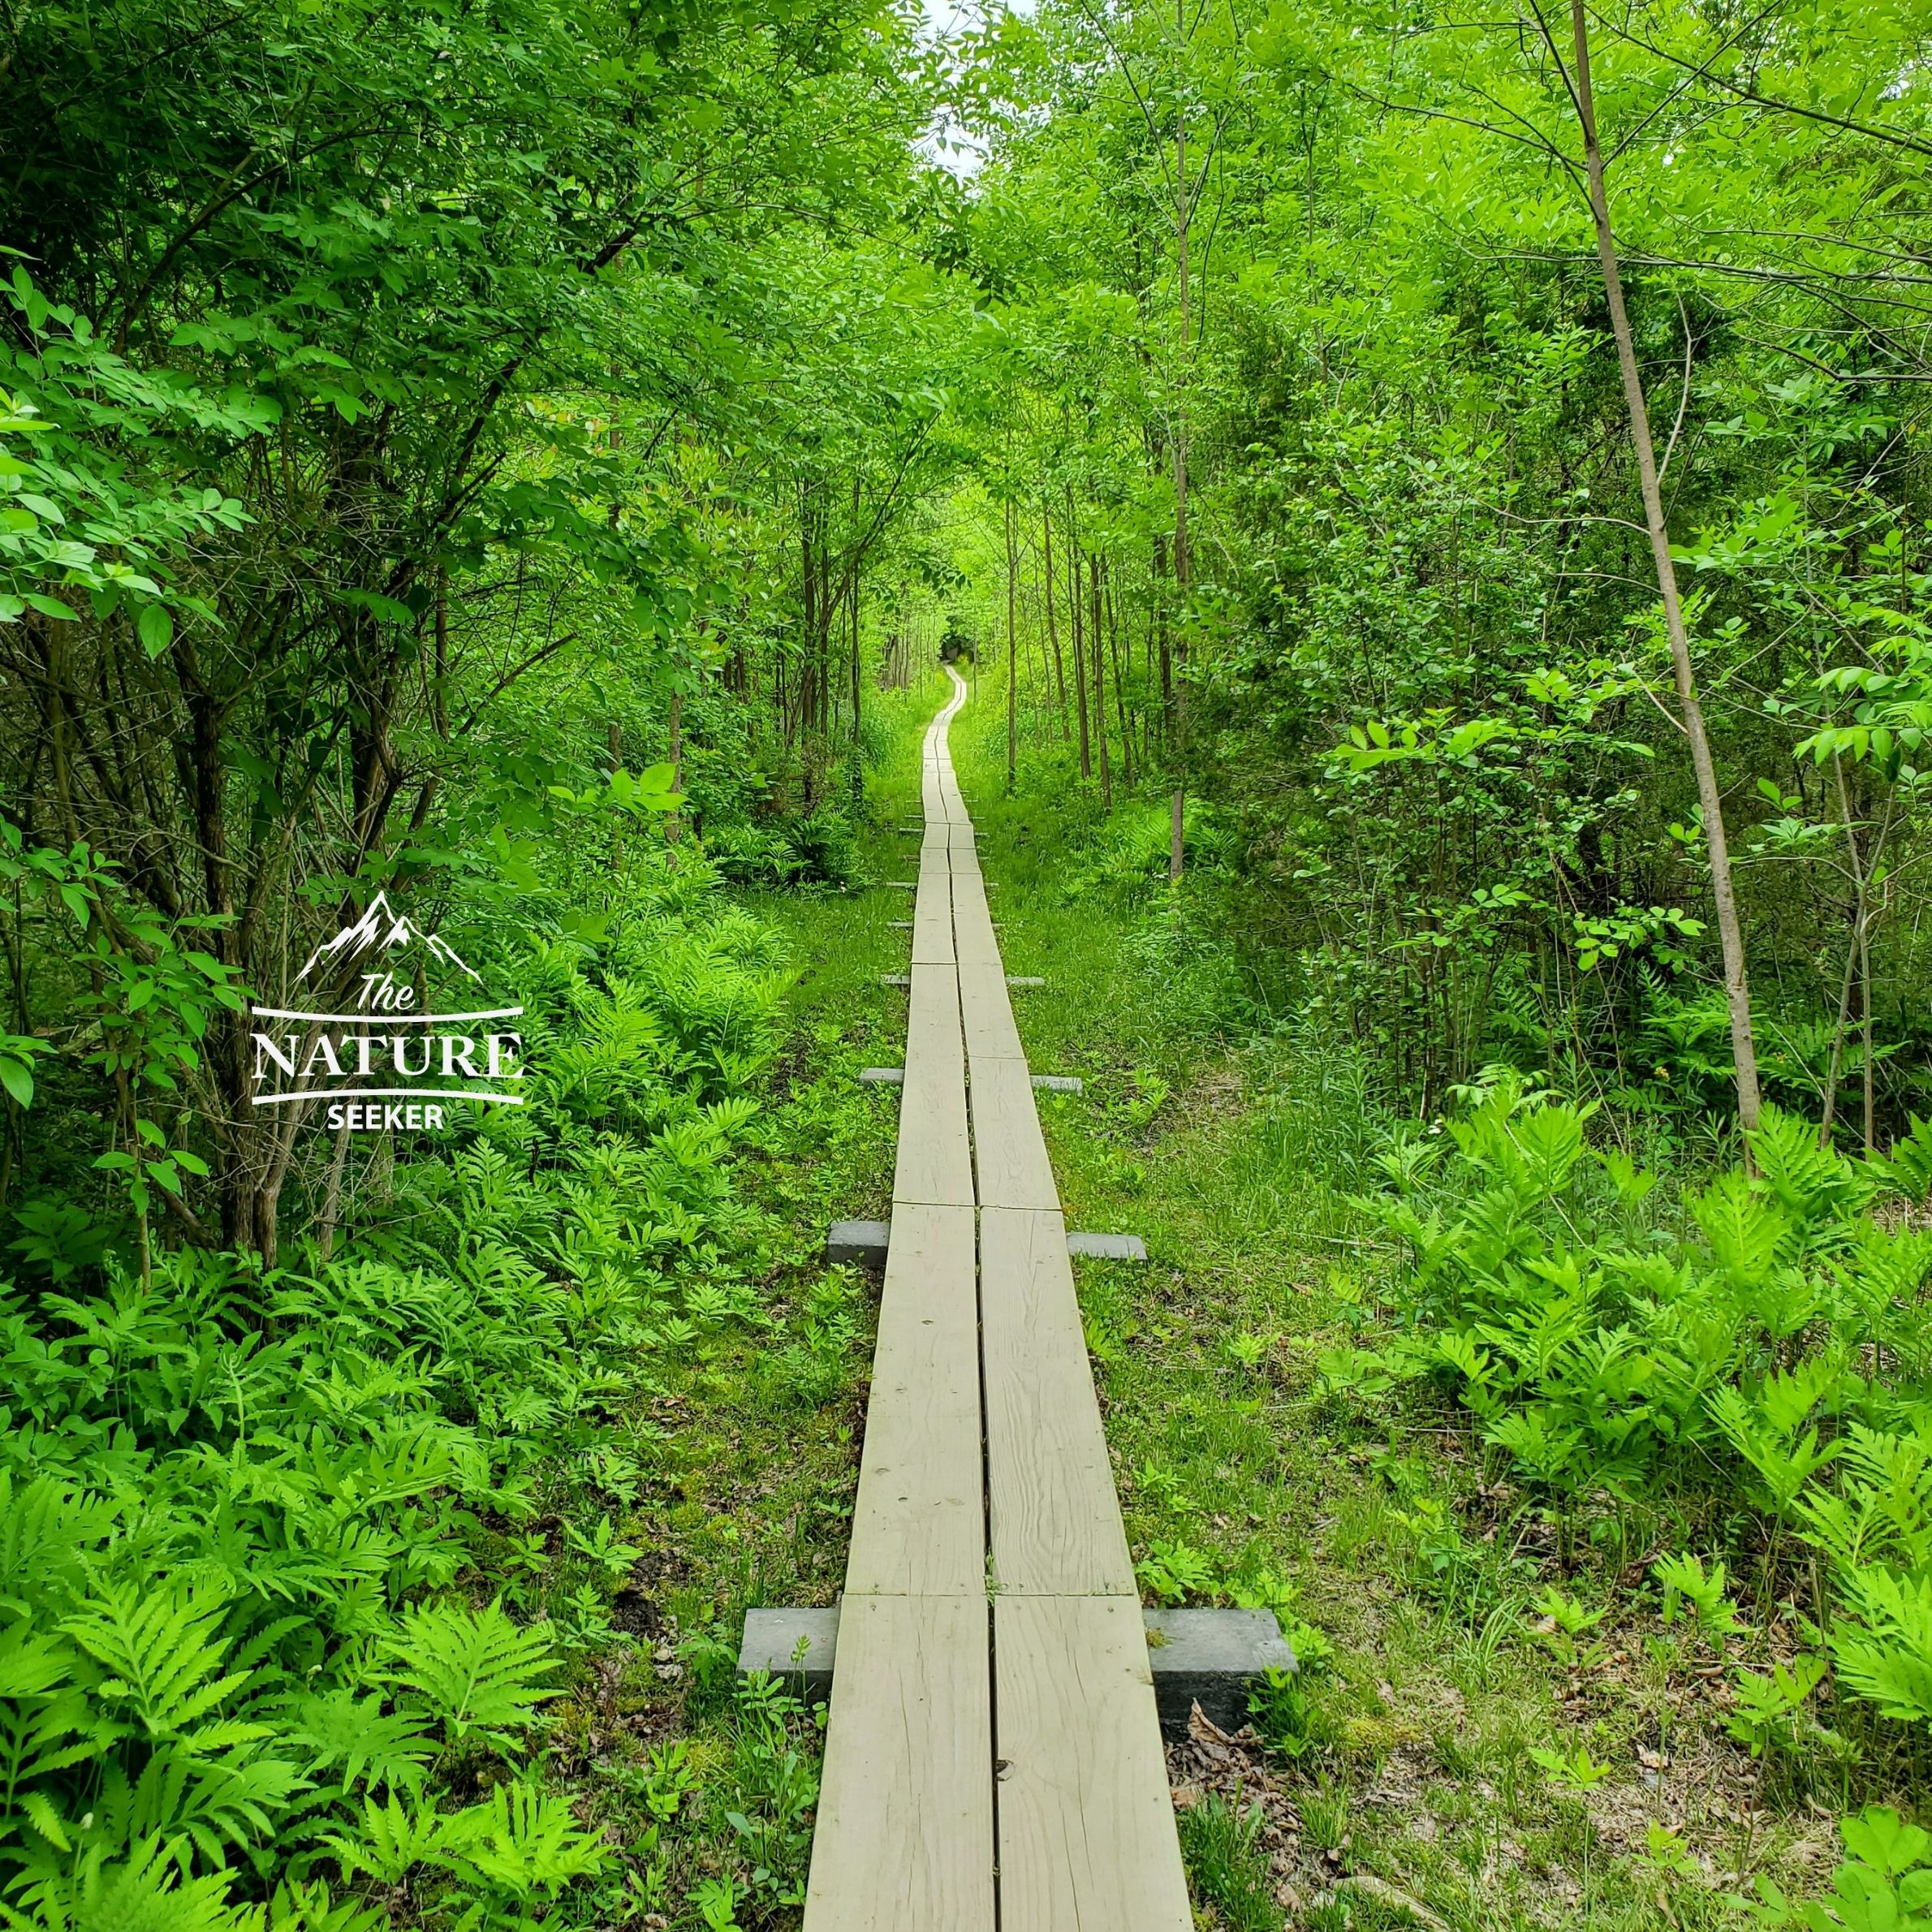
901,885
895,979
1108,1247
1024,979
1210,1658
862,1244
1206,1657
774,1639
895,1076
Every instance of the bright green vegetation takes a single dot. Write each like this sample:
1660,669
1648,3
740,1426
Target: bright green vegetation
1593,1500
1452,663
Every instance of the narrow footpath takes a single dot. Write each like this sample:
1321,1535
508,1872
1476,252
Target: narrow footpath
993,1756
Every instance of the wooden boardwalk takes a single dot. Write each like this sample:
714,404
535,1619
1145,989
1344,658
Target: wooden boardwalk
993,1756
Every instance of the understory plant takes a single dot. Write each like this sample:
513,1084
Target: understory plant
283,1591
1761,1338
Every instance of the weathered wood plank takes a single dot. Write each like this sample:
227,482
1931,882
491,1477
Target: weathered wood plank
932,921
987,1012
1009,1150
971,923
919,1524
1054,1514
904,1836
1087,1842
934,1164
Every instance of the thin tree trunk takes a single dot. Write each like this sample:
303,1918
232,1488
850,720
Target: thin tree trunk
1127,733
1012,656
1080,662
1177,816
1737,991
1053,628
673,829
332,1196
1097,644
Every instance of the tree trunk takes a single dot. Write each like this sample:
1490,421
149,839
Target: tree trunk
1053,628
1097,644
1080,662
1012,659
1183,561
1737,992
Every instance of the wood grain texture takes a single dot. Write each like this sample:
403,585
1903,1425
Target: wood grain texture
972,922
904,1836
1053,1516
934,1164
1087,1842
1009,1150
986,1010
919,1523
932,920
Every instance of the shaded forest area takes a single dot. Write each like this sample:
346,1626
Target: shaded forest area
1436,505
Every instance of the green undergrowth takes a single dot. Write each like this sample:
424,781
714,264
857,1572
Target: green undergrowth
402,1585
1523,1701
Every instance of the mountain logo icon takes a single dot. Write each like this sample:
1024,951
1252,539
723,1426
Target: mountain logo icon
384,1066
381,930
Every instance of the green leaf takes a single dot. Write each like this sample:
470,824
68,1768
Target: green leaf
156,628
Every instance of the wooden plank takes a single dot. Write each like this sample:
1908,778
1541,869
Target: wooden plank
934,1163
986,1008
1087,1842
1053,1516
971,923
904,1837
1009,1150
932,921
919,1527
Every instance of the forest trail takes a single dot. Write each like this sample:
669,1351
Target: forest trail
993,1726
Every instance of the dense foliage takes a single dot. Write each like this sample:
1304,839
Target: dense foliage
1435,502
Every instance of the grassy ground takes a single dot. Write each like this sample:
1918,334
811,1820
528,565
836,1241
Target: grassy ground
1405,1791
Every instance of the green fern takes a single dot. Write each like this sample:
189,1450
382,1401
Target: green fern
474,1672
162,1653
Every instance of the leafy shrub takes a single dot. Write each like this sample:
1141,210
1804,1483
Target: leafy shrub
1774,1329
242,1513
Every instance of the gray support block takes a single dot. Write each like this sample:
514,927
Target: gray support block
901,885
1210,1658
772,1639
1108,1247
912,831
895,979
883,1077
898,926
1023,979
862,1244
1059,1083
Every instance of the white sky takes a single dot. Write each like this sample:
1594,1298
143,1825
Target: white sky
943,17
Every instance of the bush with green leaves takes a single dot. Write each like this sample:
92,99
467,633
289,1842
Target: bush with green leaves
252,1634
1770,1330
